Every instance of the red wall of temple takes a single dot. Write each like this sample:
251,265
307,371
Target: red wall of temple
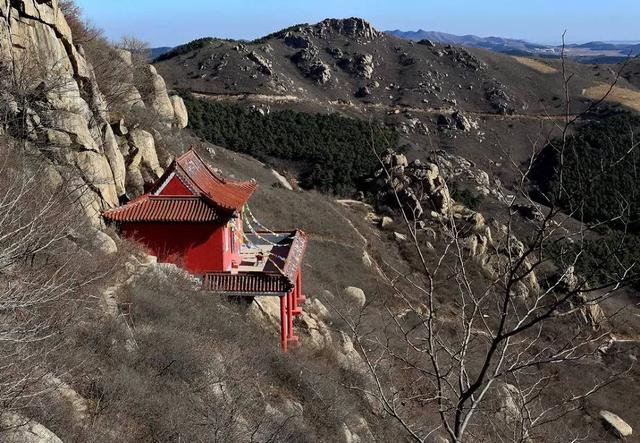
195,247
175,187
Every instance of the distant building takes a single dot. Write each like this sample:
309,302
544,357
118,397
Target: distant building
193,217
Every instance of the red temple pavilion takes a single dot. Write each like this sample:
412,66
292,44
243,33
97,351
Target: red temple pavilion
194,218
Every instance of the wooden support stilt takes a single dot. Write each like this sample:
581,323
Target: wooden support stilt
289,308
290,304
301,297
284,324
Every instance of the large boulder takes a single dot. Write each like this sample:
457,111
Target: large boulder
20,429
115,158
77,128
417,185
103,243
617,425
282,180
355,295
180,112
310,64
363,65
158,99
127,94
145,154
95,169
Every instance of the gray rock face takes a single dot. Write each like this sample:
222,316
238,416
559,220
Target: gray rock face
95,169
462,122
498,97
363,65
127,92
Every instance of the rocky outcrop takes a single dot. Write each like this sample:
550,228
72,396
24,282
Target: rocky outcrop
420,187
355,28
355,295
19,429
115,159
466,173
617,425
128,95
423,193
71,120
297,41
180,112
264,65
143,165
158,98
497,96
311,66
359,65
282,180
363,65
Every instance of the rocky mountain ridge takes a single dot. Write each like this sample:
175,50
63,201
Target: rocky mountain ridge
347,67
349,61
589,52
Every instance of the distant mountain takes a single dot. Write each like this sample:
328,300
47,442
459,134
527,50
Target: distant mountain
157,52
591,52
497,44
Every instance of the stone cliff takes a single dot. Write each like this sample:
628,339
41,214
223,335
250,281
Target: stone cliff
54,94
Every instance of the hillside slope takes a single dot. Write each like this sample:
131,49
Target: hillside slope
129,349
348,67
350,61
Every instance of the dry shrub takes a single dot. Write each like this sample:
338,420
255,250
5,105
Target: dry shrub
47,276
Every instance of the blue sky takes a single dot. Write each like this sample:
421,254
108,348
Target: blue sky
169,23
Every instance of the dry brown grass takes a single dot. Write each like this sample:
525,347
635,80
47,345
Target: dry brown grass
536,65
625,96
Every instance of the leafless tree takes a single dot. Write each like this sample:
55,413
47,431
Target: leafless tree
41,283
476,335
82,31
45,277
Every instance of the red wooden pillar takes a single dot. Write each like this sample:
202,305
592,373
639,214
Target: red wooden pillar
288,310
290,315
284,324
301,297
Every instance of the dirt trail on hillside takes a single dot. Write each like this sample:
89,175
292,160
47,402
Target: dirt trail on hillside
370,107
